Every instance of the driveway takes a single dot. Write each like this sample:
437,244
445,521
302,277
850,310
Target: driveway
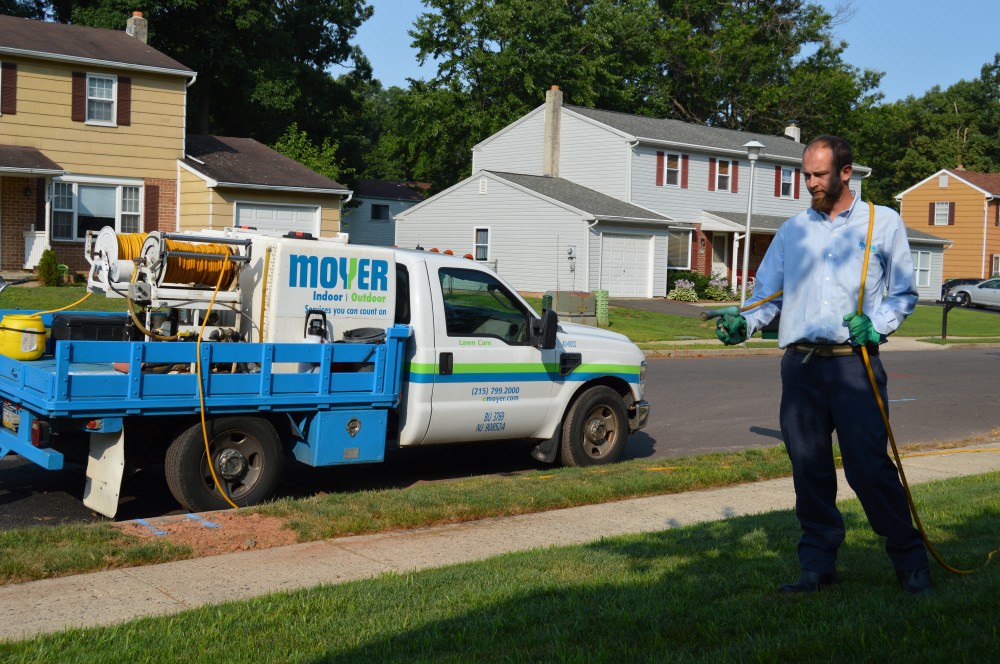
664,306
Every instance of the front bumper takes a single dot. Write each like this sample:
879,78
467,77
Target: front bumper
638,415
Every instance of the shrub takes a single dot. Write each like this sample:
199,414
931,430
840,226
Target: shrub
683,291
718,289
48,269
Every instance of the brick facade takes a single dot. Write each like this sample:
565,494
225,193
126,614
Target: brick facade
18,205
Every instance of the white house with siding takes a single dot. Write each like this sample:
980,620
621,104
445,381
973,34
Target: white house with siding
695,179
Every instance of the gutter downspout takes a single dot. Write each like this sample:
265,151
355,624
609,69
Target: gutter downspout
600,254
986,228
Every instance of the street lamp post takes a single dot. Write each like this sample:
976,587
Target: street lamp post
754,149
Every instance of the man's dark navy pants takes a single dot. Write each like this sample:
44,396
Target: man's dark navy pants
818,397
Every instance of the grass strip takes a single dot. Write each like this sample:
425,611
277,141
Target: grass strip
47,551
702,593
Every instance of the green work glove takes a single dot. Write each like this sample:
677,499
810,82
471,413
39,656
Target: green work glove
731,329
862,330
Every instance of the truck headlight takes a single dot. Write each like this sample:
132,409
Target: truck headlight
642,376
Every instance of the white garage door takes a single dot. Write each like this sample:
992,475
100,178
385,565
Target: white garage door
625,265
281,218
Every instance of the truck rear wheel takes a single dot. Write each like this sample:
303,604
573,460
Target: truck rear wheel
247,455
595,429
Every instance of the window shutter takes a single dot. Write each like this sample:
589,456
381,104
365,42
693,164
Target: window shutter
711,174
798,177
735,179
124,101
777,181
79,113
684,172
930,214
8,89
951,214
659,169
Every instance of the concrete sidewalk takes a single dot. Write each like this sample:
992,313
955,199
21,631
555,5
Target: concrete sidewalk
105,598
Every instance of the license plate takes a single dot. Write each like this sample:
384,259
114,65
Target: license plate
11,416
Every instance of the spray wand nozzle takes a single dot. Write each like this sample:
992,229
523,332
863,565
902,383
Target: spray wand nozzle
709,314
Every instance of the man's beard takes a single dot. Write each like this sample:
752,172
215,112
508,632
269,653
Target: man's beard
823,201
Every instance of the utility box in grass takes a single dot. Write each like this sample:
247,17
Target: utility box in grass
574,306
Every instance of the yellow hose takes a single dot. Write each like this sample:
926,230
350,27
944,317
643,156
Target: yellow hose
885,417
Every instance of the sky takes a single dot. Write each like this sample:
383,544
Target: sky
917,43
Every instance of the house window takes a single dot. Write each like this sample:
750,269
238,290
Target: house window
995,269
78,207
380,212
722,176
941,213
787,182
922,267
482,244
100,99
672,173
679,250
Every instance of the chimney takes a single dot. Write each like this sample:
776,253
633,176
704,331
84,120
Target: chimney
136,27
553,115
793,131
960,167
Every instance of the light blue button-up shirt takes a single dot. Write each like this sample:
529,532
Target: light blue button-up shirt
817,262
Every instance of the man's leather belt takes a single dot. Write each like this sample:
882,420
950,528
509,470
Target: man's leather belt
828,350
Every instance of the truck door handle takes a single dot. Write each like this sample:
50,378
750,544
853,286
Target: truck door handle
445,364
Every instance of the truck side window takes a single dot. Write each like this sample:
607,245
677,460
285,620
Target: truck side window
402,296
476,304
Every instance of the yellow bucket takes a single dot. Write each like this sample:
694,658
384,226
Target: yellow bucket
22,336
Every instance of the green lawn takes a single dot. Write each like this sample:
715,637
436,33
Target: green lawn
638,325
704,593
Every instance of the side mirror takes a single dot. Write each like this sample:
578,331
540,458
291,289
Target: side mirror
543,331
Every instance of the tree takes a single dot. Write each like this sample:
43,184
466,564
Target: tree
745,64
906,141
755,65
261,64
322,158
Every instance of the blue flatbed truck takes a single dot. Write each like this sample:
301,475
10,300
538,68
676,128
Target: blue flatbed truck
338,410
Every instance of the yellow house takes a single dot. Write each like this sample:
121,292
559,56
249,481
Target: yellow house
92,134
964,208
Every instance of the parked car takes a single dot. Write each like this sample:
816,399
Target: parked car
954,283
983,294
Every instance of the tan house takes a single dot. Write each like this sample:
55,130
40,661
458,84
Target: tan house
92,134
964,208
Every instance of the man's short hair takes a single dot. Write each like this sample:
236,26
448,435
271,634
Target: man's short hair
843,155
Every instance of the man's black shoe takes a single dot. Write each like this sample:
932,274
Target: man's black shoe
809,582
915,582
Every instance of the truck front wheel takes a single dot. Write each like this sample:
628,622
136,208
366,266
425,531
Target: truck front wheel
246,453
595,429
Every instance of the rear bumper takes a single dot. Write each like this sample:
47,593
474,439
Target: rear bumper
638,415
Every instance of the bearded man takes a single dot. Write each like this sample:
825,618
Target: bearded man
816,259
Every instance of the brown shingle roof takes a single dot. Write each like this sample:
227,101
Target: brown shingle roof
30,161
29,38
245,162
987,181
396,190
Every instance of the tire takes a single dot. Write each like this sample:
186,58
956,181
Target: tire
252,453
963,299
595,430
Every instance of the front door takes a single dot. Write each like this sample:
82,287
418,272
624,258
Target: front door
720,253
490,382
